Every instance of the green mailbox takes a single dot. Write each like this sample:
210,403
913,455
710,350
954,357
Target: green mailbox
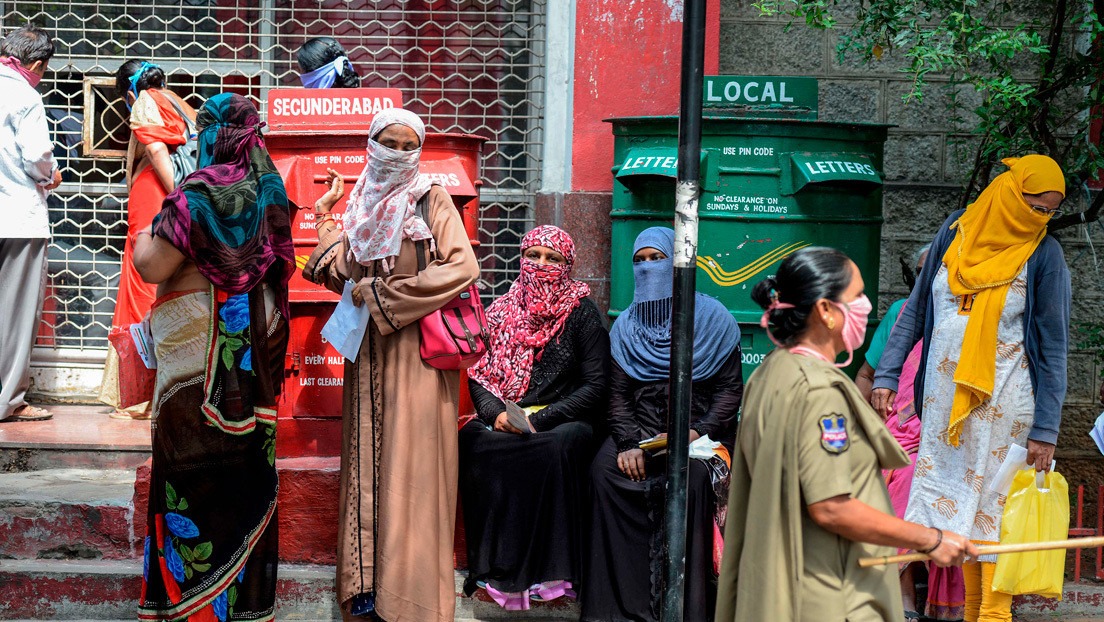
774,180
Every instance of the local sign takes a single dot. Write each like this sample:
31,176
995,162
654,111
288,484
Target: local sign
760,91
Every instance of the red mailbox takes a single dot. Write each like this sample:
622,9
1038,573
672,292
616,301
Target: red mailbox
310,131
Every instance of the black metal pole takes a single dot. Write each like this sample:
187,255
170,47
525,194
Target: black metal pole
682,321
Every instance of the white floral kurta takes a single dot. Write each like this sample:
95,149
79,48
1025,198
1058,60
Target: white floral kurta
950,488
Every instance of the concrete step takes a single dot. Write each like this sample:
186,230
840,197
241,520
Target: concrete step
76,437
108,590
68,514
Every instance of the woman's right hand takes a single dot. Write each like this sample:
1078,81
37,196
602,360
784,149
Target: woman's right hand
882,401
336,185
502,424
953,550
631,463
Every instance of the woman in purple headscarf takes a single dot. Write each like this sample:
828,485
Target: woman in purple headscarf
220,252
399,453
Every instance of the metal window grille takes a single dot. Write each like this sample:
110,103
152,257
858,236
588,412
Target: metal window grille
465,65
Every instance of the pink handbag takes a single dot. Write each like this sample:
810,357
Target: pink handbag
454,336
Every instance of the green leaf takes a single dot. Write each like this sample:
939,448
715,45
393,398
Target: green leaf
201,567
187,572
182,505
203,550
232,595
170,495
186,553
228,359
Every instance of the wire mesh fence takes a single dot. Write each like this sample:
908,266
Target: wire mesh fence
473,66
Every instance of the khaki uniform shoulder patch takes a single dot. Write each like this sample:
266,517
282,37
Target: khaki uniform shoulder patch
833,433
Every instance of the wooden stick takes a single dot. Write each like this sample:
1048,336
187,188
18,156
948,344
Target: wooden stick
996,549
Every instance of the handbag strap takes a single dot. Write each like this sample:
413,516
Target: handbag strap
180,111
420,210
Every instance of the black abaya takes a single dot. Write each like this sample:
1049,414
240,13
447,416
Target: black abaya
623,577
526,496
625,570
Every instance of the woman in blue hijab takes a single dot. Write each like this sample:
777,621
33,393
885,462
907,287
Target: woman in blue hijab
622,582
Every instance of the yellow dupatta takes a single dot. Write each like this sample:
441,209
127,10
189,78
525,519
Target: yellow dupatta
994,239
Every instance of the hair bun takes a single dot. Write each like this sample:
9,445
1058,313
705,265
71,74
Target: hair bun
764,292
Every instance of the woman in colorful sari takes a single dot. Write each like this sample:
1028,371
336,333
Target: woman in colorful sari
525,489
627,533
992,307
221,255
158,127
398,456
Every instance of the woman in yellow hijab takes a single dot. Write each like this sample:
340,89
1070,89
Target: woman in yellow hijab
992,306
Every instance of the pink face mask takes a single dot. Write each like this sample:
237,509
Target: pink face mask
855,314
12,62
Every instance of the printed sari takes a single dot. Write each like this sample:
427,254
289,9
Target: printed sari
211,549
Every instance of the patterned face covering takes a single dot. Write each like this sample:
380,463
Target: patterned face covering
530,315
381,209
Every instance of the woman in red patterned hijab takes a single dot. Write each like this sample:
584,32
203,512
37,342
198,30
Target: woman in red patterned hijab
524,474
531,313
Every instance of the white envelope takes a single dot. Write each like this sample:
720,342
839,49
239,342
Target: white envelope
346,326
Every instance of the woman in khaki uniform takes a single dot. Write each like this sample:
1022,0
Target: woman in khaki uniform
806,495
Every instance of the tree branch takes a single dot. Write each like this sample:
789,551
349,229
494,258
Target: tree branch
1071,220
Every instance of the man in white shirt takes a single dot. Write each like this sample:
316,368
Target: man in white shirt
27,173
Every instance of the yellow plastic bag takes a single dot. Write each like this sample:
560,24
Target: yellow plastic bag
1034,513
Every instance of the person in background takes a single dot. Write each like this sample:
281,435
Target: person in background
323,64
157,128
28,172
807,499
399,455
992,307
525,488
221,254
627,533
946,593
864,380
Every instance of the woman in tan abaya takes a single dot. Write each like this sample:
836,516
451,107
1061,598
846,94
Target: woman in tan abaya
399,455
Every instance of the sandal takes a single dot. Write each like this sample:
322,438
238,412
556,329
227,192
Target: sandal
912,615
132,416
30,413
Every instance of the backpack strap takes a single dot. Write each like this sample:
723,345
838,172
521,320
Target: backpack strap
421,211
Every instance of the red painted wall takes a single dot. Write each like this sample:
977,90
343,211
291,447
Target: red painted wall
627,63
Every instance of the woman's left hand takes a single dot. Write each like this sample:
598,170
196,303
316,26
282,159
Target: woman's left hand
1040,454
